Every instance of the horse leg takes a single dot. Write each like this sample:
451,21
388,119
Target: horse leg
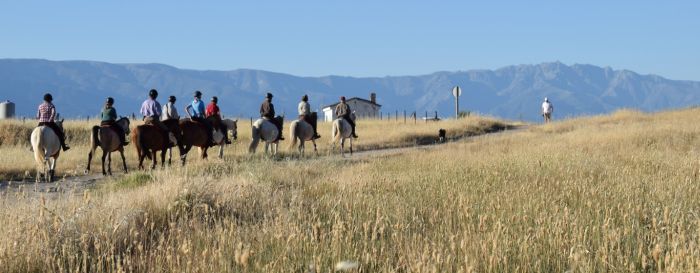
350,146
342,147
104,156
162,159
121,152
155,159
109,163
52,168
170,156
315,149
87,169
221,151
204,152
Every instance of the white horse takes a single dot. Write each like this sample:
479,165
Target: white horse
267,131
301,130
341,131
108,140
46,147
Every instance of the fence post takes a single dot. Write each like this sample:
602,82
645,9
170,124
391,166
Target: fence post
404,116
426,116
380,115
251,121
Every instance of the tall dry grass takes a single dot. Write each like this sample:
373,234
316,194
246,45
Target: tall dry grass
614,193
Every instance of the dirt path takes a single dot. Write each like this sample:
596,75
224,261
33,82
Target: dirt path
71,184
78,184
401,150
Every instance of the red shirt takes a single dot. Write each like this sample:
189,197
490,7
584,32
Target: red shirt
212,110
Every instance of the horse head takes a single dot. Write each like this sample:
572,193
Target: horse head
124,123
59,123
233,126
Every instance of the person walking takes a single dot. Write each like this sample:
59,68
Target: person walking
305,114
213,114
267,111
46,114
547,109
342,110
109,118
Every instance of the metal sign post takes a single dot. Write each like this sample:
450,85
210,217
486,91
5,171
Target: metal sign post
456,92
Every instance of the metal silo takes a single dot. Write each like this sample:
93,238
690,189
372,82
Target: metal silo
7,109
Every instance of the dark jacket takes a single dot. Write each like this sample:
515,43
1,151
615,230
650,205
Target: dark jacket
267,110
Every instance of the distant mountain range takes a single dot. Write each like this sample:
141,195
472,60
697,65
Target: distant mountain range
513,92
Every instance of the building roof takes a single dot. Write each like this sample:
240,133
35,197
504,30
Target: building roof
348,100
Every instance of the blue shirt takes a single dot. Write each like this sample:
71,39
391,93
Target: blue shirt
197,107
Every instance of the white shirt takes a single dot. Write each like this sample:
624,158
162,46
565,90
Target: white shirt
547,107
169,112
304,108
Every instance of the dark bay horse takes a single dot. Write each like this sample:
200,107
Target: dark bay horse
108,140
194,134
148,139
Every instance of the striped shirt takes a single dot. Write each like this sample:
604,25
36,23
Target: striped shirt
46,112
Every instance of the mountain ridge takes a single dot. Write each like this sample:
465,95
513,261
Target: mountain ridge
513,92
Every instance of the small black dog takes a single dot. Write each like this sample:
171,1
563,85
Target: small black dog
442,135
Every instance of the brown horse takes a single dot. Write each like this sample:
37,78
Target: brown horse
148,139
108,140
194,134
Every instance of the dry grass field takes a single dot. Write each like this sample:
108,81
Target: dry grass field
615,193
18,162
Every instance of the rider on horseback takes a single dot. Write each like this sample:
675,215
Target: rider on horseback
305,114
267,111
46,114
197,114
169,111
109,119
151,111
213,114
342,110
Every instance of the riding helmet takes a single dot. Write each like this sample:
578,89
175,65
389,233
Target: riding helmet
214,99
153,93
197,94
171,99
305,98
110,100
268,95
48,97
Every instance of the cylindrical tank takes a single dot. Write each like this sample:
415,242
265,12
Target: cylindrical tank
7,109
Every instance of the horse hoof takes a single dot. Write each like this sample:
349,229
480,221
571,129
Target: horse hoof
86,172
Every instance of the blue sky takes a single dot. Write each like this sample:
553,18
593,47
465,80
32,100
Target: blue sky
359,38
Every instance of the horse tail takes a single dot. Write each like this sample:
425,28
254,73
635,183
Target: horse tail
255,136
94,137
293,134
138,143
336,132
37,146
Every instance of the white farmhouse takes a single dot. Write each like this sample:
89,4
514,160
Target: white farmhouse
363,108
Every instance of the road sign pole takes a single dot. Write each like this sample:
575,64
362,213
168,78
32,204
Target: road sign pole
456,92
